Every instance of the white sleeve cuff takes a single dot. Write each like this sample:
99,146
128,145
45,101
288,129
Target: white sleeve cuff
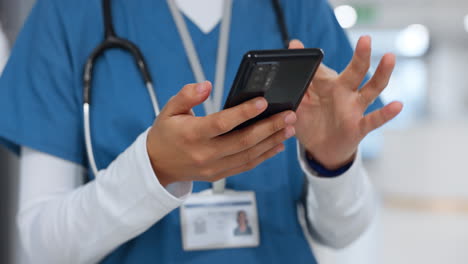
351,175
337,192
339,208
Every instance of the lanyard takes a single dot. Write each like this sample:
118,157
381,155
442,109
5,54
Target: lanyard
212,104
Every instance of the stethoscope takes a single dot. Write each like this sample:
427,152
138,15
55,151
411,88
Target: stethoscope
113,41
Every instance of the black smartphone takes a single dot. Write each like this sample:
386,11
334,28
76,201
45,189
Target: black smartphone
281,76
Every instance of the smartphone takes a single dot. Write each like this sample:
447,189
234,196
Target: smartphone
281,76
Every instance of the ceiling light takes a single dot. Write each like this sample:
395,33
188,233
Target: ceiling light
465,22
413,41
346,16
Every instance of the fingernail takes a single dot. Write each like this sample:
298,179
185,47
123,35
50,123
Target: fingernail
290,118
260,104
201,87
290,132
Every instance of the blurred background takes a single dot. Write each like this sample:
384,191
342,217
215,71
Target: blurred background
417,162
12,15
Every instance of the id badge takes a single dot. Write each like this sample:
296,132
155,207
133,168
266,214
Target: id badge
215,221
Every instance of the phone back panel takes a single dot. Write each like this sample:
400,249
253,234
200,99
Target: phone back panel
281,76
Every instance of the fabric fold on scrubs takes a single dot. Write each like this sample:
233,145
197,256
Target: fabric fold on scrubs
39,103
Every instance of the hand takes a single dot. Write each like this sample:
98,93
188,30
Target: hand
183,147
331,121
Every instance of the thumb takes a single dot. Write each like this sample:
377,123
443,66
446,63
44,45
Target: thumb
296,44
187,98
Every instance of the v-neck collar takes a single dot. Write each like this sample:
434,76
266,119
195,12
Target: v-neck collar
205,14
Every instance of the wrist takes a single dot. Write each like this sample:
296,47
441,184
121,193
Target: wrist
163,178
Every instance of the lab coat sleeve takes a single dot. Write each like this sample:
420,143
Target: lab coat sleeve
63,222
338,210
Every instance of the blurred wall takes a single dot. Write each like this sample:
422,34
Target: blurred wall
12,14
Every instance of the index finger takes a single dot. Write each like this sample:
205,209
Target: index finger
226,120
357,69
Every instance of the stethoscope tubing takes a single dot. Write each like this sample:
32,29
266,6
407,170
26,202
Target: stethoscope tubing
112,41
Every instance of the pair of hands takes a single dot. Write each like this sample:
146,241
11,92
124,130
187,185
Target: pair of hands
329,123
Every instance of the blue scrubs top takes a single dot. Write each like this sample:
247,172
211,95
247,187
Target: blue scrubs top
41,104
